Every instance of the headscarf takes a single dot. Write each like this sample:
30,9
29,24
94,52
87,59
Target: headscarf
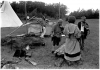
59,22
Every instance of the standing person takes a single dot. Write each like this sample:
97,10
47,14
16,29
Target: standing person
48,28
84,27
43,29
70,50
56,34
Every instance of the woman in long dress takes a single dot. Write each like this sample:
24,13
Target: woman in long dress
70,50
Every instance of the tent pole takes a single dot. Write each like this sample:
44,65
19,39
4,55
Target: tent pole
15,30
18,28
26,17
59,10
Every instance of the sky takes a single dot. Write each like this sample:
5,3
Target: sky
73,5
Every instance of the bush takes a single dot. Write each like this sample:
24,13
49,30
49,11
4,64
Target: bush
90,14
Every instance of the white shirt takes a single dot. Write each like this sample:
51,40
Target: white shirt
82,28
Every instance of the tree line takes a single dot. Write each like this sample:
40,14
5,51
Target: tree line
90,13
39,9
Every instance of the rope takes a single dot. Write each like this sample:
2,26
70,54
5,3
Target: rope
18,27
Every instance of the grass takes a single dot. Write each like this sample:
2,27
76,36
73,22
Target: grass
45,59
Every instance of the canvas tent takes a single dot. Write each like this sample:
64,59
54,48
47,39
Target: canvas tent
8,16
10,19
35,28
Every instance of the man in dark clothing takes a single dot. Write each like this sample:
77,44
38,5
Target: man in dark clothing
84,27
56,34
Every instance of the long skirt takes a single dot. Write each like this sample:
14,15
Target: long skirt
70,49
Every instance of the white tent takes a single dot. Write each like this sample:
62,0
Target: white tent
8,16
10,19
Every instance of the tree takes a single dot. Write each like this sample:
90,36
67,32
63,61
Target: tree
39,9
90,14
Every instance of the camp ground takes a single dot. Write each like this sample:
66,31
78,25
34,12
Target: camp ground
31,27
16,36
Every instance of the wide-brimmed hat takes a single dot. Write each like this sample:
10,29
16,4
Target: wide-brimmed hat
83,17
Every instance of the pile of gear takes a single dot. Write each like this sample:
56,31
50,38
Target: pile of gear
22,41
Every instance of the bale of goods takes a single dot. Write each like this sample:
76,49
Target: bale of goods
22,41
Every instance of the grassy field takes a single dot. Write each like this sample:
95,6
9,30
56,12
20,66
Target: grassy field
45,59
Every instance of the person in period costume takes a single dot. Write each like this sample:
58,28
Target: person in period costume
70,50
56,34
84,27
43,30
